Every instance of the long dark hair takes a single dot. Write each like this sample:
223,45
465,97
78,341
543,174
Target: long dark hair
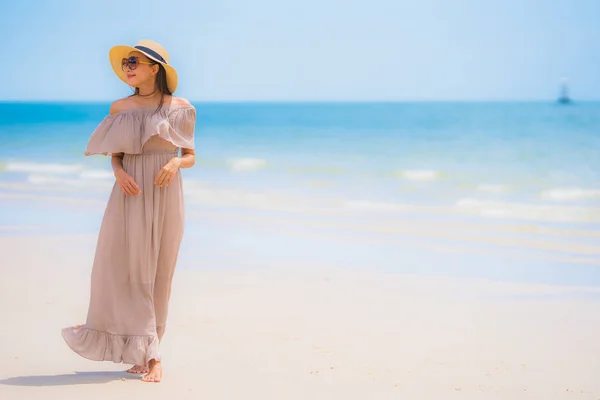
160,84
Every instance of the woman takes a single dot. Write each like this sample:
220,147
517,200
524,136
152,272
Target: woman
142,228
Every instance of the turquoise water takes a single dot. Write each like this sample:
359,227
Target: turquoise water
527,166
439,154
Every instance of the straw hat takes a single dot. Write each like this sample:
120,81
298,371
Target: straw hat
149,48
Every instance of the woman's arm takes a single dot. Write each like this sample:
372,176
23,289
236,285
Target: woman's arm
116,162
168,172
124,180
187,159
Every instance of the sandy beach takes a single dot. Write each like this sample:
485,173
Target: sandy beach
386,200
318,332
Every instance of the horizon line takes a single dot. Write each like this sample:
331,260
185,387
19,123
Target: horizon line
332,101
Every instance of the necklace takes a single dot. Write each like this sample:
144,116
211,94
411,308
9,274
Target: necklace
147,95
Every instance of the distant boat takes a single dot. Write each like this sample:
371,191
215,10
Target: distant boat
564,94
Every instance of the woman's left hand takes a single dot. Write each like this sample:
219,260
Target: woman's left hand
168,172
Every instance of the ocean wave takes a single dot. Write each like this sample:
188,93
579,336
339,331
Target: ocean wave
246,164
198,192
42,173
316,169
419,175
96,174
43,179
524,211
45,168
374,205
488,209
205,194
491,188
570,194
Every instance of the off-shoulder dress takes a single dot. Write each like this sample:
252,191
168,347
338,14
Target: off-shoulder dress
139,238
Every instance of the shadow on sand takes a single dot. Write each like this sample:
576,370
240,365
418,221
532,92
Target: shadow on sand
78,378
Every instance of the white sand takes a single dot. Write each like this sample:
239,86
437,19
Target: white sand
315,333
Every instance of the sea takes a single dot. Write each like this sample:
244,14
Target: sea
487,190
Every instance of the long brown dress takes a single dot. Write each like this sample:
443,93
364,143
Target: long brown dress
139,238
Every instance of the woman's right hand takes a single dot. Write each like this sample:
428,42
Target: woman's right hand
127,183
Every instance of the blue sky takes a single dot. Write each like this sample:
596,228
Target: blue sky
236,50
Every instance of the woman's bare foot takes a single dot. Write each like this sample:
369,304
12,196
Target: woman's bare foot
155,374
138,369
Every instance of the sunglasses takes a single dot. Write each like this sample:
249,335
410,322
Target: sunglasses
132,63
